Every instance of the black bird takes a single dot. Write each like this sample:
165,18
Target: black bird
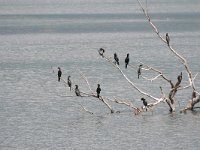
69,82
98,90
101,51
139,71
59,74
179,77
77,92
167,39
144,102
116,59
126,60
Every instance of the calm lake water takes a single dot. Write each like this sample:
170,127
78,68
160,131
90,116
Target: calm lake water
39,113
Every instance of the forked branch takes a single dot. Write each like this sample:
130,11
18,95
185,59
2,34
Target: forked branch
181,58
194,99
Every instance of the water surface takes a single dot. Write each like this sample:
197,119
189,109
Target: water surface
37,112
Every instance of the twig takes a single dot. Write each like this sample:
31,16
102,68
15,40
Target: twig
87,110
152,79
85,79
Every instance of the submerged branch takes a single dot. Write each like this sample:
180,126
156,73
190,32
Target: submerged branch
86,110
191,103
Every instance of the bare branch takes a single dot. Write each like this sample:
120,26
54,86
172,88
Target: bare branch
87,110
152,79
85,79
106,103
191,103
131,83
92,94
188,86
155,70
182,59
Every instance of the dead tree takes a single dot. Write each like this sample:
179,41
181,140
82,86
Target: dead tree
174,87
195,98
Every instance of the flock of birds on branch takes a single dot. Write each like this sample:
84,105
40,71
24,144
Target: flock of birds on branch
116,62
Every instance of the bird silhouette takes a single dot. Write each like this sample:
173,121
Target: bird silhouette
116,59
77,92
139,71
167,39
144,102
59,74
179,77
98,90
101,51
69,82
126,60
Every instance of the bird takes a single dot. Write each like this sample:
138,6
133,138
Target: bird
69,82
59,74
126,60
116,59
179,77
167,39
98,90
144,102
77,92
101,51
139,70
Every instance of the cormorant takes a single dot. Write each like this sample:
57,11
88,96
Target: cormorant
144,102
69,82
167,39
139,71
98,90
116,59
126,60
77,92
101,51
179,77
59,74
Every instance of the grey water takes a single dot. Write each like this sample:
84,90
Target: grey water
39,113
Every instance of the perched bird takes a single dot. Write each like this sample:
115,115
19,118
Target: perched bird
139,71
167,39
59,74
144,102
98,90
101,51
116,59
77,92
126,60
179,77
69,82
